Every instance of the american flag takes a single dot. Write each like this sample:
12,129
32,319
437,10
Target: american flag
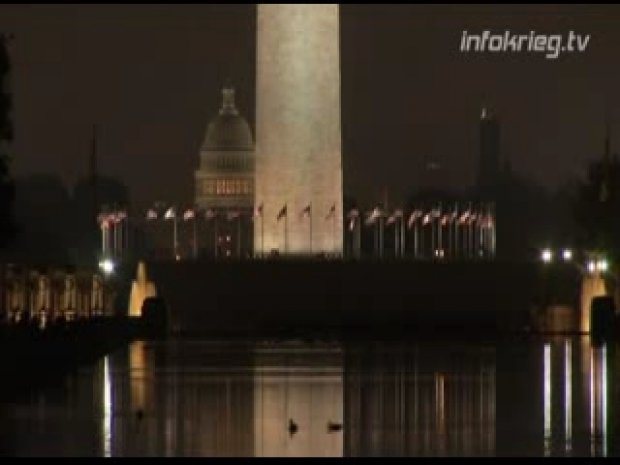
210,214
282,213
485,221
376,213
258,211
306,211
231,215
427,218
332,212
415,215
189,214
397,214
121,215
352,216
464,217
455,214
353,213
151,214
170,214
104,219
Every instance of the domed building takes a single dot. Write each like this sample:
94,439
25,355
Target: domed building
225,178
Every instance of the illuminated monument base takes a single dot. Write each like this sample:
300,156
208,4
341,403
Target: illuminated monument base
141,289
298,139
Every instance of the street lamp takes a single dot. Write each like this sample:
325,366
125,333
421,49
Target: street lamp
567,255
546,255
107,266
602,265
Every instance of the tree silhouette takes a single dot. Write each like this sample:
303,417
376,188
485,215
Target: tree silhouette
597,207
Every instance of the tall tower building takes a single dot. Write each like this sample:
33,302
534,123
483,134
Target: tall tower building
298,136
489,162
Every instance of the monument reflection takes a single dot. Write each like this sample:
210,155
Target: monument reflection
197,398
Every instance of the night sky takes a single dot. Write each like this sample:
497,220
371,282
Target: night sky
150,77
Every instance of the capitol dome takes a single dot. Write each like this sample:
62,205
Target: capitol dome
228,130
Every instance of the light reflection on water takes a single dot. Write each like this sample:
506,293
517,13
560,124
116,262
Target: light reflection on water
201,398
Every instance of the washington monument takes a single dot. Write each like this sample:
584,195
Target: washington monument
298,139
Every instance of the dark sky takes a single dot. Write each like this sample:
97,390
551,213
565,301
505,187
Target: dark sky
150,76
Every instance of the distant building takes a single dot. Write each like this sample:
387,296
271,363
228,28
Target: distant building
489,162
225,179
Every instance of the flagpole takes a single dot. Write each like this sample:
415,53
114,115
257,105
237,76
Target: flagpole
376,241
449,231
432,236
286,230
103,237
493,231
416,239
334,231
215,235
359,237
421,239
239,236
115,240
174,225
396,241
471,240
439,239
310,215
194,238
126,242
120,238
381,225
262,234
440,230
403,233
456,232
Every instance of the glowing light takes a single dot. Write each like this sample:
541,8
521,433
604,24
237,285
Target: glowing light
107,409
567,255
602,265
547,393
107,266
604,400
591,266
592,411
546,255
568,396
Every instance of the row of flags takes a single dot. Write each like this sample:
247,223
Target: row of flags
190,214
108,218
467,217
305,212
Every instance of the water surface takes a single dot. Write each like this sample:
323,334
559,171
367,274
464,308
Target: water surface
205,398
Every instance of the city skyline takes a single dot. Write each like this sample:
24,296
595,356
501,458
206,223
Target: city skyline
153,85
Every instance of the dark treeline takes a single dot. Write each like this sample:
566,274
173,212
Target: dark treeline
582,213
55,225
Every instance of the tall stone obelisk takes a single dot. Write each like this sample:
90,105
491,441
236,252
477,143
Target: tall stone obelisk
298,137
